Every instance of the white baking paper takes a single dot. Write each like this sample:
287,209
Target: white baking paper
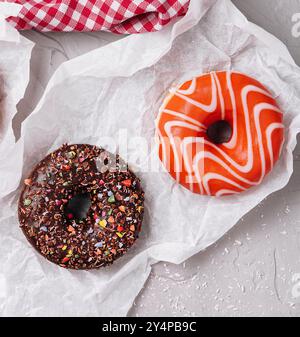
121,86
15,53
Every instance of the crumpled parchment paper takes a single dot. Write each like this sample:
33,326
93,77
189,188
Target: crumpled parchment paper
15,53
121,86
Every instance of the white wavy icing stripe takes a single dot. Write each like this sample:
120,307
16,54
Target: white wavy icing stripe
220,169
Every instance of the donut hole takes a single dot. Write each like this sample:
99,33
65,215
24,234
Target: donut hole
219,132
78,207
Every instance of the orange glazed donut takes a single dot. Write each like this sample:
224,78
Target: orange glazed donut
219,133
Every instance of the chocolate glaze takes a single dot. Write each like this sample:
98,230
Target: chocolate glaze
112,223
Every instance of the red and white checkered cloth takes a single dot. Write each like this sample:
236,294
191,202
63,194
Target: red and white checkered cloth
118,16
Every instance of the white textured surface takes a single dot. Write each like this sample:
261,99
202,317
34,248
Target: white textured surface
250,271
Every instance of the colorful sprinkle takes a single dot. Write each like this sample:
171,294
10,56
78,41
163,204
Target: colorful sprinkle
122,208
71,228
66,167
70,253
111,219
111,199
27,202
90,231
58,202
71,154
140,209
27,182
126,182
99,245
103,223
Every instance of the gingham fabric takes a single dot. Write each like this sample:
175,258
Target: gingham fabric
118,16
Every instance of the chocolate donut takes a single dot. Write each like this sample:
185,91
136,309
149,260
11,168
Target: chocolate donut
69,180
